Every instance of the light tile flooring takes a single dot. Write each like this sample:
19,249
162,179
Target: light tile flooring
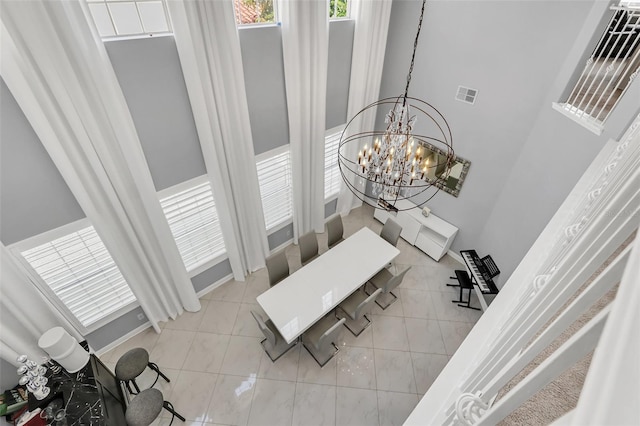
221,376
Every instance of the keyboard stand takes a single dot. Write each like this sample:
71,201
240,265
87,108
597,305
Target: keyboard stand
465,283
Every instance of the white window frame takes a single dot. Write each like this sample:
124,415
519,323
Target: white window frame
17,248
340,18
329,136
184,186
143,34
265,156
276,19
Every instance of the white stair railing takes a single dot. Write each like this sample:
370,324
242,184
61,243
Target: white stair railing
610,392
601,213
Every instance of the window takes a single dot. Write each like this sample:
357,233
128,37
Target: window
120,18
255,11
78,274
332,177
274,177
338,9
193,219
609,71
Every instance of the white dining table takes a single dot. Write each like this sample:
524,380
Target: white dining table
307,295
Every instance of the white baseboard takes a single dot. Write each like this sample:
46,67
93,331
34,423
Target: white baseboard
147,324
456,256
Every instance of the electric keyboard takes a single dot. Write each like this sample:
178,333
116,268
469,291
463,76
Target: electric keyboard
482,270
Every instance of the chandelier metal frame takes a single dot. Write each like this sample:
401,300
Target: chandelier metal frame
393,163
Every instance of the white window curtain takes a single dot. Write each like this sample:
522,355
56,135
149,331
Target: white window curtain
305,46
209,50
367,60
24,313
56,66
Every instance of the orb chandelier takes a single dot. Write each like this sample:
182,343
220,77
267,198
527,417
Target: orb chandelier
410,158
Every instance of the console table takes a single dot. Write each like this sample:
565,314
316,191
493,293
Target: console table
91,396
430,234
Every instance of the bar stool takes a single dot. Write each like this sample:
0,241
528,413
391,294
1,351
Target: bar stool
464,282
132,364
146,407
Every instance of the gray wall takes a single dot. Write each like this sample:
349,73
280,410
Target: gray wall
150,75
33,196
330,208
511,52
552,159
211,275
115,329
281,236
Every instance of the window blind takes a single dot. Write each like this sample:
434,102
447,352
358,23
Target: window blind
274,177
194,223
332,176
81,273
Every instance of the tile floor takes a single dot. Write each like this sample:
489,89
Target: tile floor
221,376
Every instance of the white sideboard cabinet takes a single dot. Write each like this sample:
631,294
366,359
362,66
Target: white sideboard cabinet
430,234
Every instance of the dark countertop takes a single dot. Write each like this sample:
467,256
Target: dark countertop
80,396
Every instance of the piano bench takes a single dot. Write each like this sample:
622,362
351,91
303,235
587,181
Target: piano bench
464,282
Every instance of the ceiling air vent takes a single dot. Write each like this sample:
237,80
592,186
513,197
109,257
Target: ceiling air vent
466,95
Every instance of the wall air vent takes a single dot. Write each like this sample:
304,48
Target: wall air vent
466,95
